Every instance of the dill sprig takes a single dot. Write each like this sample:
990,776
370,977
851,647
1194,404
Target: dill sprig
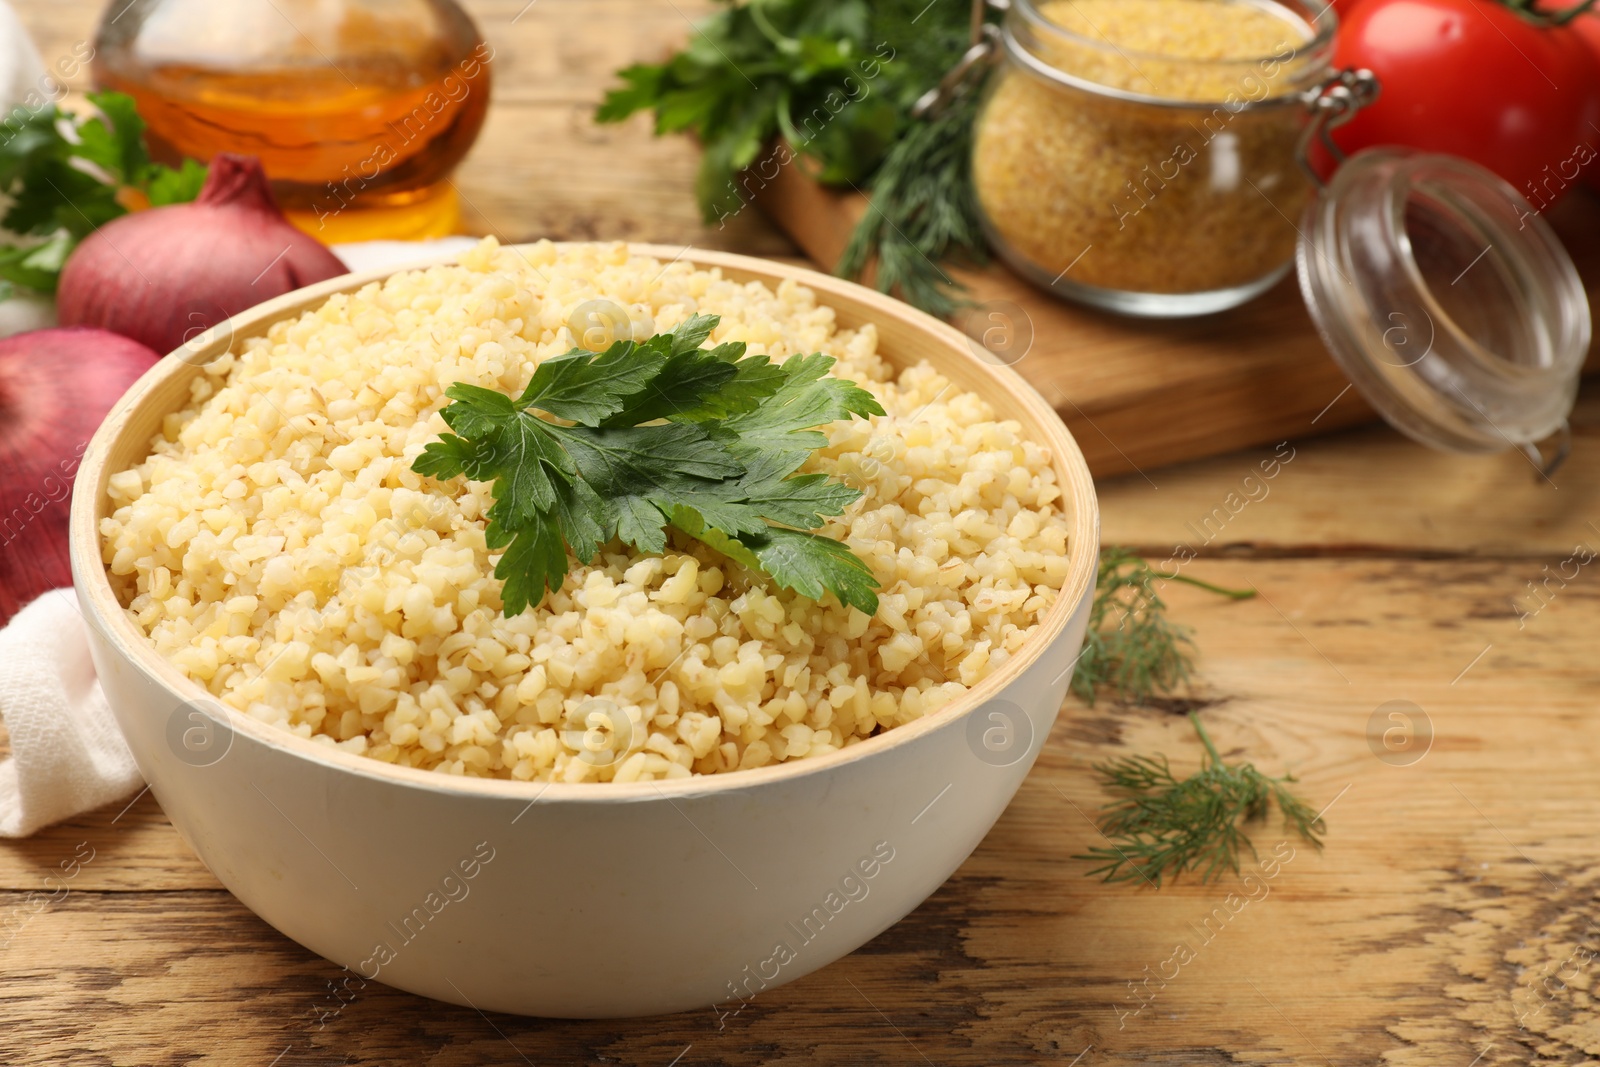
923,213
1131,646
1163,827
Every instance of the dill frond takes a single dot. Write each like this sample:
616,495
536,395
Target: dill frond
1131,647
1161,827
923,213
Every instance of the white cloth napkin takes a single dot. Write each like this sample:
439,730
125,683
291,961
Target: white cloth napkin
67,754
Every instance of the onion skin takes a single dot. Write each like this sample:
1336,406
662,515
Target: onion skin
163,276
56,387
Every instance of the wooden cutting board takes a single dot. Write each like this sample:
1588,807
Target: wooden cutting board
1141,393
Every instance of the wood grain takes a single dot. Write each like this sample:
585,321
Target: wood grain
1417,934
1450,920
1365,492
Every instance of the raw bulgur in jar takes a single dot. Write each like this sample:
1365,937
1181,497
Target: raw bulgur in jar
1141,154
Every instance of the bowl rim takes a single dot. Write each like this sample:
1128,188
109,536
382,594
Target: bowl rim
105,613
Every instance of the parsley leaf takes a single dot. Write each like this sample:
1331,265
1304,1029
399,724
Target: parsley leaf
168,186
686,380
535,560
662,433
113,140
35,266
517,450
806,398
641,88
64,175
756,379
808,563
637,471
587,388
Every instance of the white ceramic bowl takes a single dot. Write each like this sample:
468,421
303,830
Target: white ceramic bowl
585,900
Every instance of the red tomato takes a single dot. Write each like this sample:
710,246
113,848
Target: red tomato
1587,26
1470,78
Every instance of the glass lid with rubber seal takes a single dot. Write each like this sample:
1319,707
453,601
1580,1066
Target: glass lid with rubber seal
1445,297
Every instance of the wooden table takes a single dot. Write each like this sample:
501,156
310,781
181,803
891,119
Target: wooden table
1449,922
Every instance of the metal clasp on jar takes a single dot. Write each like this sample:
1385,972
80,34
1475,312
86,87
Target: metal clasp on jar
1333,102
970,67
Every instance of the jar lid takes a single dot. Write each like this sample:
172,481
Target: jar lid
1447,300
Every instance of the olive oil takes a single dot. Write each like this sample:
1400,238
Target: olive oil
359,109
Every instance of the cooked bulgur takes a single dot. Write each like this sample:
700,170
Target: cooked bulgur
277,547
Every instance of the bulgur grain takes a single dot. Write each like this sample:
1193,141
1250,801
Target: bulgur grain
278,548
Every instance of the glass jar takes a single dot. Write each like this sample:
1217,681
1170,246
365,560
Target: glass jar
358,109
1143,182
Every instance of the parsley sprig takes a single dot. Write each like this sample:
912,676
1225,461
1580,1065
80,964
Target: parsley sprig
1160,826
65,175
656,434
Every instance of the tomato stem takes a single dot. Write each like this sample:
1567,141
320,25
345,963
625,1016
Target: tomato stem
1532,11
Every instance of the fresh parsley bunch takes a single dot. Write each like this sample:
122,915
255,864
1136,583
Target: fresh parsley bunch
836,79
756,70
663,433
65,174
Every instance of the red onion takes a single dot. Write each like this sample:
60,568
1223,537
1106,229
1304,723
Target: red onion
165,275
55,389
